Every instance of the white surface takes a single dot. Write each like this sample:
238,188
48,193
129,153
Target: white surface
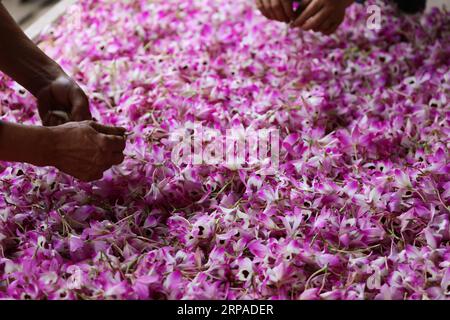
46,19
21,10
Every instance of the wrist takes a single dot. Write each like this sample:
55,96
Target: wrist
44,77
46,150
41,145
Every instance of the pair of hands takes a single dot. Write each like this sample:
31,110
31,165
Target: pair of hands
78,146
323,16
83,149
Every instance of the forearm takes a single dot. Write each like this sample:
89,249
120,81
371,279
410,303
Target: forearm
20,143
21,59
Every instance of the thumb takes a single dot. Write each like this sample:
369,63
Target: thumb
44,100
80,105
108,130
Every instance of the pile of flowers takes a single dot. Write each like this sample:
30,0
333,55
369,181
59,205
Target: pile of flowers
357,209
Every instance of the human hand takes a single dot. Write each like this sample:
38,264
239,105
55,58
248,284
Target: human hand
61,101
279,10
323,16
85,150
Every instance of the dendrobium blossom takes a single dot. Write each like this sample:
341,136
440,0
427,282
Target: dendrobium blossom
357,209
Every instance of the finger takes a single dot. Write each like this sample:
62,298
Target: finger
80,105
331,29
288,9
311,10
261,8
60,90
113,143
108,130
278,11
114,159
317,20
117,158
267,9
302,6
44,102
334,26
92,177
84,177
326,25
